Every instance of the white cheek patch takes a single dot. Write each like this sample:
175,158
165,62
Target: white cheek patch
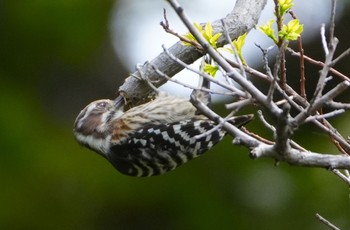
104,117
100,145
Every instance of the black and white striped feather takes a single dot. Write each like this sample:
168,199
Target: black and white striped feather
155,150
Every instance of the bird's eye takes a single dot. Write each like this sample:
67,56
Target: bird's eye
101,105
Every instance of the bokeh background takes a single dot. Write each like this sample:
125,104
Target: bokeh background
57,56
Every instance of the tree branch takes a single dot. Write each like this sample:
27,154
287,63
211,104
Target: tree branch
302,158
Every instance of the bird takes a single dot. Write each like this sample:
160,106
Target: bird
149,139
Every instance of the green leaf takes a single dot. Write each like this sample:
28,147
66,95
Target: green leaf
198,26
291,31
285,6
238,44
226,49
214,39
210,69
207,33
268,30
190,37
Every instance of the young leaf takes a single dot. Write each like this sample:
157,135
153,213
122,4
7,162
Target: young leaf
291,31
285,5
238,44
207,33
190,37
210,69
268,30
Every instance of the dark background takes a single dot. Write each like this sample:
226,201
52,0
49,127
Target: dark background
55,57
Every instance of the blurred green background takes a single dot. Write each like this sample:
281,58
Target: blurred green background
56,56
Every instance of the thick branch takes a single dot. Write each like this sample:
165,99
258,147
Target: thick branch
242,18
303,158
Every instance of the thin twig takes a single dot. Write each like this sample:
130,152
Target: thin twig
245,139
347,173
323,39
332,22
279,21
204,75
166,27
341,87
324,72
265,123
216,127
345,178
341,56
301,61
337,105
274,78
257,137
319,63
325,115
326,222
238,104
142,77
235,52
273,129
191,86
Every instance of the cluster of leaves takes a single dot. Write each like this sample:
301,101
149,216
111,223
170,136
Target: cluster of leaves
290,31
207,33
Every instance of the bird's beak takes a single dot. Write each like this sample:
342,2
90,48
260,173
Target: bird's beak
119,101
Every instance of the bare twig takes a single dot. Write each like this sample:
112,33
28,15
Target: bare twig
345,178
265,123
337,105
341,56
273,129
204,75
237,105
166,27
301,61
326,222
324,40
274,78
319,63
300,118
228,93
332,22
145,79
216,127
235,52
279,20
329,50
245,139
325,116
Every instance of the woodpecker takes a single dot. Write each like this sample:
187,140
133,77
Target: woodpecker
149,139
